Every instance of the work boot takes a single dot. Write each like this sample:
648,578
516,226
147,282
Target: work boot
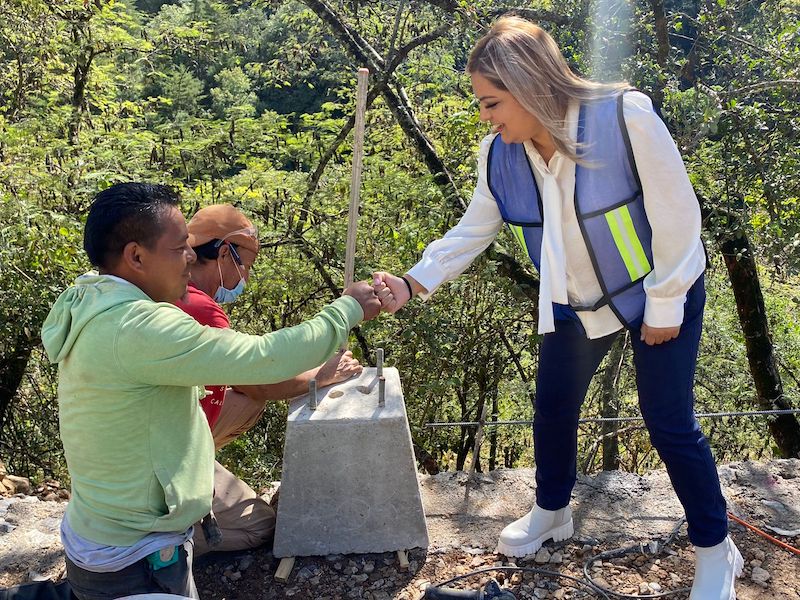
526,535
715,570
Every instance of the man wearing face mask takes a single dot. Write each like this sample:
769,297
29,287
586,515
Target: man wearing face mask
226,244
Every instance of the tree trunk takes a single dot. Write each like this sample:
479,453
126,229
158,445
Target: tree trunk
662,45
493,433
743,274
609,402
12,370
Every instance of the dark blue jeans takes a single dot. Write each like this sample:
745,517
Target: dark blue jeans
138,578
664,378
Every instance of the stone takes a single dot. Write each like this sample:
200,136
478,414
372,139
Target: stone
6,527
349,473
542,556
556,558
22,485
760,575
246,563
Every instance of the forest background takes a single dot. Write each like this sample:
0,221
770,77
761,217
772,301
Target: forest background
251,102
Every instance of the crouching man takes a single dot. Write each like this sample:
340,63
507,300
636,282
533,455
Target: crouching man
139,451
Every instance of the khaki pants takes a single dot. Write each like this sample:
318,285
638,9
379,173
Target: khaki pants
246,521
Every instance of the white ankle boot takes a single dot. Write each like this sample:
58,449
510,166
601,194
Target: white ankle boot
715,570
526,535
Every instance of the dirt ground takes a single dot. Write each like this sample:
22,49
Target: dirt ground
377,577
465,515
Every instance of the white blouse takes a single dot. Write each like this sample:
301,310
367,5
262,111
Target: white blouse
670,203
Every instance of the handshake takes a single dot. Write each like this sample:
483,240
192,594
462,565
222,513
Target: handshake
387,293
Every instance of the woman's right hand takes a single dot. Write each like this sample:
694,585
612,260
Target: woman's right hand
398,295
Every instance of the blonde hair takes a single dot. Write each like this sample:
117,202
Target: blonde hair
521,58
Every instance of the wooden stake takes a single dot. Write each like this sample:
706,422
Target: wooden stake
355,180
284,569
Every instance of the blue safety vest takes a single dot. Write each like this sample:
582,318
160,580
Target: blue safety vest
608,204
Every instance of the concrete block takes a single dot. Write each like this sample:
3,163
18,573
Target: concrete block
349,476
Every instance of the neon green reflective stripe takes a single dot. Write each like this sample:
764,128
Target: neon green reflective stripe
518,233
627,242
638,251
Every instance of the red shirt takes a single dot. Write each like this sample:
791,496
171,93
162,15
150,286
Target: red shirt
205,311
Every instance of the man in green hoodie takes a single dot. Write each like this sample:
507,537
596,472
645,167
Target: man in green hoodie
131,368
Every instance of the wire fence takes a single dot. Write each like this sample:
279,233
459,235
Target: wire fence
712,415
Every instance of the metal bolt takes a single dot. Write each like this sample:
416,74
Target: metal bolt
381,391
312,394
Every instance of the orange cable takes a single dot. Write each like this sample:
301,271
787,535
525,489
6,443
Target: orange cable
778,542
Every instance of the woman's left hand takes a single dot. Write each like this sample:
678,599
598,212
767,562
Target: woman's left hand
658,335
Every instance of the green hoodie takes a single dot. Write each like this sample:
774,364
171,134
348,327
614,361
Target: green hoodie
138,448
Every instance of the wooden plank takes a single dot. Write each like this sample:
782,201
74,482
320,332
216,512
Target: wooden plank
402,558
355,179
284,569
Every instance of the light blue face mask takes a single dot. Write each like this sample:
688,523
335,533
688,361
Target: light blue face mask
223,295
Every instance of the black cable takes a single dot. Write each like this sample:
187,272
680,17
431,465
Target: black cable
587,582
638,548
593,589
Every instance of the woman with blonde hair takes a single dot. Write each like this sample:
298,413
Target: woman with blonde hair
590,183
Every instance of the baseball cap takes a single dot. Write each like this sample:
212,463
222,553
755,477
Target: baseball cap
222,222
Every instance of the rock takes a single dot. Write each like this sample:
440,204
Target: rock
246,563
559,594
305,573
556,558
654,586
587,541
760,575
644,589
369,567
334,557
759,554
235,576
540,592
6,527
22,485
542,557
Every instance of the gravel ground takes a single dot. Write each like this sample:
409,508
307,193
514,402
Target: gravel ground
464,515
